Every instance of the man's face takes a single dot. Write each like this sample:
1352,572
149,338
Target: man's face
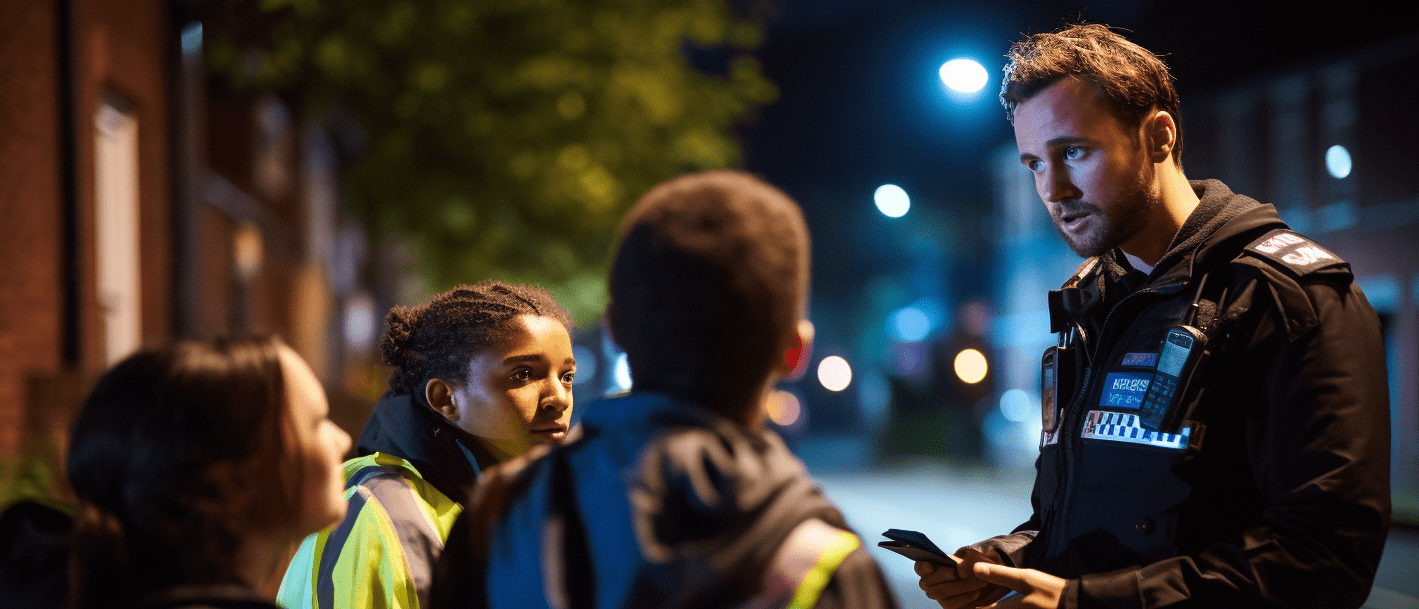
1091,171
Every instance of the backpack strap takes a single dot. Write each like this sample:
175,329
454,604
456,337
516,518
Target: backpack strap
804,564
572,566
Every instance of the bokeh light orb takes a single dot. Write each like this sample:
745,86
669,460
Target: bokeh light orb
892,201
834,373
622,373
783,408
1015,405
964,75
911,324
1337,162
971,366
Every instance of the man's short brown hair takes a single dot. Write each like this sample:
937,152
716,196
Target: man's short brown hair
1131,79
710,278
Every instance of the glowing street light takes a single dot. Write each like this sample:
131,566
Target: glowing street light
964,75
891,200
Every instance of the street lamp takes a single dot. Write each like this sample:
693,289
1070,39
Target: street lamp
891,200
963,75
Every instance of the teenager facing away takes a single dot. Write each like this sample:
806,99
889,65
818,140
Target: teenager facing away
482,374
197,468
677,495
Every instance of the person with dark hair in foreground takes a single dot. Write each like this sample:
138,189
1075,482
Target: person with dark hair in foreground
197,468
482,373
1216,417
676,495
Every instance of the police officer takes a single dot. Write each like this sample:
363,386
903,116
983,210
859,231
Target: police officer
1216,413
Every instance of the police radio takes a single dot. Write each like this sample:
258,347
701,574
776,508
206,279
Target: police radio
1182,349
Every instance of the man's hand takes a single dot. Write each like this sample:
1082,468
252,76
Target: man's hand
960,587
1038,590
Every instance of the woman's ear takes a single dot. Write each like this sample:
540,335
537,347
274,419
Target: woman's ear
795,359
238,492
440,396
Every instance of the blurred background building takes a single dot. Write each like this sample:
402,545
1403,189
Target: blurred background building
180,168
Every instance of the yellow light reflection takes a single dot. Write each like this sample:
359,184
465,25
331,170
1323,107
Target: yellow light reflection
970,366
783,408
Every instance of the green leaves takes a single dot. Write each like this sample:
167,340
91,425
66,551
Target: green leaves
506,138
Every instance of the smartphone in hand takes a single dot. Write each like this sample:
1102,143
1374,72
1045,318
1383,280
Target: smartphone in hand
916,546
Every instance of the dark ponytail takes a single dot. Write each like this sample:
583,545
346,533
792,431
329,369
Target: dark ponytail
166,458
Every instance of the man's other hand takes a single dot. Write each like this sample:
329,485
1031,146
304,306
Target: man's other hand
960,587
1038,590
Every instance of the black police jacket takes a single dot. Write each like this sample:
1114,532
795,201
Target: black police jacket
1274,492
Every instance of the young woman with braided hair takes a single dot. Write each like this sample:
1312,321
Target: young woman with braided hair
482,373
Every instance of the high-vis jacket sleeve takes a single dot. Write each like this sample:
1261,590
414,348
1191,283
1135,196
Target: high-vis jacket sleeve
381,556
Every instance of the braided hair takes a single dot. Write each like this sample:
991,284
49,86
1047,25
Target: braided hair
438,339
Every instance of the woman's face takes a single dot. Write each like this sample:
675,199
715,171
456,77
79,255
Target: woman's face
519,393
320,446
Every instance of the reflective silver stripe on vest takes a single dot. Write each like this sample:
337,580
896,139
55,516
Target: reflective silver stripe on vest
418,537
1124,427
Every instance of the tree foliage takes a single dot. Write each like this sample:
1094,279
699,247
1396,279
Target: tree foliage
506,138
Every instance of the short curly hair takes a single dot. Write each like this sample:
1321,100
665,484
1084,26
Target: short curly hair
710,277
1131,79
437,339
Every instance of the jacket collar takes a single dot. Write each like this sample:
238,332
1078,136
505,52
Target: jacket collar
1213,234
407,427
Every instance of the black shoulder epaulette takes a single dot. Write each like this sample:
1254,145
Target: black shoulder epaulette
1296,255
1293,260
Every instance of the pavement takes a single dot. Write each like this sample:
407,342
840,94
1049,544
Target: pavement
955,506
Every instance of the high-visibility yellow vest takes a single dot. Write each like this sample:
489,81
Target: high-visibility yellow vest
382,555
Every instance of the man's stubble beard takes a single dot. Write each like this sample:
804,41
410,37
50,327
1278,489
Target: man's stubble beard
1123,217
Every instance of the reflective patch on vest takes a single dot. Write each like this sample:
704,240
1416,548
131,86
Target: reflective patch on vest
1125,427
1141,360
1293,252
